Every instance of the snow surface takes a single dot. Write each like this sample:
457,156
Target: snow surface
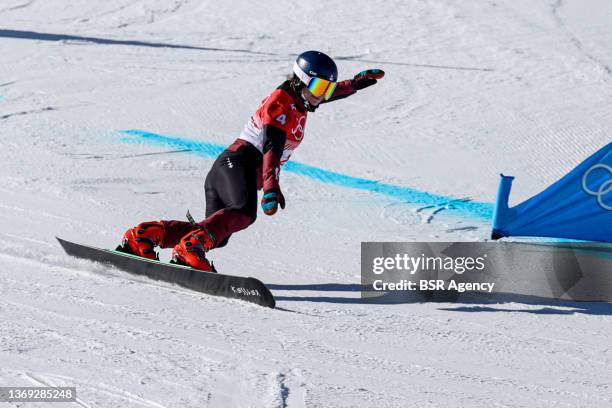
472,89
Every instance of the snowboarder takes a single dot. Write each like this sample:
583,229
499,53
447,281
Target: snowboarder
249,164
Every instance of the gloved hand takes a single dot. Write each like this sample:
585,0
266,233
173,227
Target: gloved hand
367,78
271,200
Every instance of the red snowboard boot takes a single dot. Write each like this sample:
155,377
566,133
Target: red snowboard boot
192,248
142,239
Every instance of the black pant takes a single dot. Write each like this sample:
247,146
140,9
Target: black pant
231,192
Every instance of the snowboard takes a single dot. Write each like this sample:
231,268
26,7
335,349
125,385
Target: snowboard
215,284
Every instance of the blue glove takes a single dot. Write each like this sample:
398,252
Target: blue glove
271,200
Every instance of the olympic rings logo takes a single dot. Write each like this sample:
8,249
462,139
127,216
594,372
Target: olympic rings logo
298,132
604,188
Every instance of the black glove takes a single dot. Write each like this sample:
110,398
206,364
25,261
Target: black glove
271,200
367,78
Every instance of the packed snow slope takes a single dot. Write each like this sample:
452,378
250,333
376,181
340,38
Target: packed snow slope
472,89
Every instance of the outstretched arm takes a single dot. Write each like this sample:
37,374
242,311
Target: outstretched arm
360,81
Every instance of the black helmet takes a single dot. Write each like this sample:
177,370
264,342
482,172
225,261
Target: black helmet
312,64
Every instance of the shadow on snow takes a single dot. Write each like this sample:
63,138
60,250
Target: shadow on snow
468,302
34,35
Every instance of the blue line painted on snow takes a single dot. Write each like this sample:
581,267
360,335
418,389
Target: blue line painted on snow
472,209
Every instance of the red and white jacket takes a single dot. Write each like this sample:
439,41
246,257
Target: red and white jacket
276,129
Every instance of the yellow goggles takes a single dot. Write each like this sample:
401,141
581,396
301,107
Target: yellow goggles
321,87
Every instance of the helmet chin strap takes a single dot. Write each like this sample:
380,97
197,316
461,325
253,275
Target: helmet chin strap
298,86
309,107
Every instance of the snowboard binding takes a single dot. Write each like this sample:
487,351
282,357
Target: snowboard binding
142,239
191,250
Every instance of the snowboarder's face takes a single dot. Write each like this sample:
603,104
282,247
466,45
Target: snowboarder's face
312,100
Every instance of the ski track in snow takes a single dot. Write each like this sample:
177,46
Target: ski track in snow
471,90
557,5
